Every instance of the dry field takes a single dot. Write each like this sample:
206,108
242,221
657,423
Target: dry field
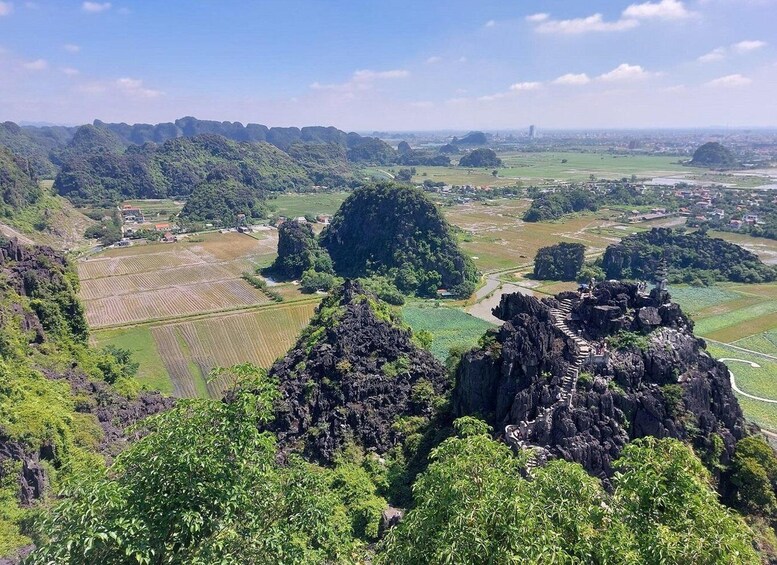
495,234
159,281
191,349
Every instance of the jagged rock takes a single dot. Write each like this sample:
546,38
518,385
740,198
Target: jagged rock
353,375
389,518
511,381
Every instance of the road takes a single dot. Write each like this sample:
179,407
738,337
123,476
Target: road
489,295
734,383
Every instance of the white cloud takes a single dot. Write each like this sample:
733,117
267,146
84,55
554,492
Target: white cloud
462,59
492,97
663,10
71,48
717,54
573,79
520,86
536,18
6,8
625,72
740,48
729,81
594,23
433,59
70,71
629,19
134,87
748,45
490,23
36,65
362,80
95,7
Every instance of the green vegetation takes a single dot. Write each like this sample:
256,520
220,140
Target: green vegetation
562,261
43,339
472,506
291,205
690,257
482,157
139,341
203,486
104,175
18,184
224,202
450,328
714,155
298,251
398,232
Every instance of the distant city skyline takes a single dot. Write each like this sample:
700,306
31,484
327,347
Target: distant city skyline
395,65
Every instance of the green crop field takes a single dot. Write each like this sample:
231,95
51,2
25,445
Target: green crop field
542,167
138,340
450,327
759,381
159,209
295,205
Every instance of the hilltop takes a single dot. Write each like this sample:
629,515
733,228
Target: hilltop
396,231
689,257
581,377
18,183
355,375
713,154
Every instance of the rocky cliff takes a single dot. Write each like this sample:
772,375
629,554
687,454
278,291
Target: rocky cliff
580,375
42,345
354,375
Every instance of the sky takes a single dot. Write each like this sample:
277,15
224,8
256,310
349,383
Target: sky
393,65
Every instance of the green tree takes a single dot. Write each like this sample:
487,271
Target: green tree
202,486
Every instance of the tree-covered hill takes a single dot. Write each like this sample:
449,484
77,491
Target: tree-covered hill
221,200
173,169
35,144
298,251
562,261
482,157
392,230
690,257
18,183
325,163
713,154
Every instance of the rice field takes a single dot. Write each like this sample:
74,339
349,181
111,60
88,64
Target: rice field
161,281
496,237
450,327
191,349
733,316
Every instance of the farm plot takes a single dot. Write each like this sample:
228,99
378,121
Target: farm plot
153,282
190,350
495,234
449,327
172,302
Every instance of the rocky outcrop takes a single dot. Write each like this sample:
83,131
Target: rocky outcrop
646,374
354,375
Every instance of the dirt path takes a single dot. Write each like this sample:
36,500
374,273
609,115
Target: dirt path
8,231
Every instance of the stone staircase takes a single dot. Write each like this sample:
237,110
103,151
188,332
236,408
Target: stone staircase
518,435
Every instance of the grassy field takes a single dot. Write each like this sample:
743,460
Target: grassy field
295,205
450,327
138,340
494,234
159,209
743,316
547,167
160,281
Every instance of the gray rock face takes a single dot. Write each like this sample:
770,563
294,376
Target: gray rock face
672,388
388,519
351,377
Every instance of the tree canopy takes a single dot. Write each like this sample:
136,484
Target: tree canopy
482,157
562,261
713,154
391,230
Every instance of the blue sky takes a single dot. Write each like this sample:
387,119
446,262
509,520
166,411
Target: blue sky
393,65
